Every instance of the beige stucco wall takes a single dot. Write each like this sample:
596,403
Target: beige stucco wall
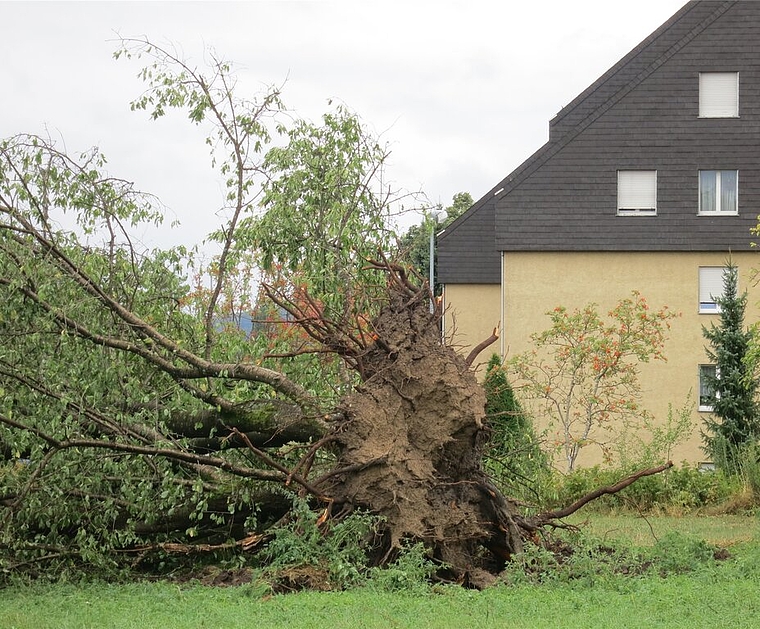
471,312
535,283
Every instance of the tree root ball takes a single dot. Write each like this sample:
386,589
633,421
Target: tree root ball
414,437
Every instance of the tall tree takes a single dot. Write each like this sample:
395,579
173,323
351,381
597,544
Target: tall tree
734,387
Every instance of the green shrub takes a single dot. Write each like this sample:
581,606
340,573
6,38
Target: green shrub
653,441
676,553
749,468
410,572
583,559
535,564
681,489
514,459
741,460
337,551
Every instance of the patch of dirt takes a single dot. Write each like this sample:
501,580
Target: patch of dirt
299,578
416,431
722,554
217,577
291,579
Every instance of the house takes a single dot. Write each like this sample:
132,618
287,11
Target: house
650,179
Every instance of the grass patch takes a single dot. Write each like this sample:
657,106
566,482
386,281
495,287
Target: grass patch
725,530
704,597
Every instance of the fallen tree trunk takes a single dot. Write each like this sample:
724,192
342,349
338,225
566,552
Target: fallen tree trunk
266,423
407,445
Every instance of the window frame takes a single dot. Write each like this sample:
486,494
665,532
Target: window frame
710,306
714,100
706,408
718,192
628,189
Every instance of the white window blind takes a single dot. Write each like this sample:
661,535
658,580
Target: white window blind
637,191
718,94
710,288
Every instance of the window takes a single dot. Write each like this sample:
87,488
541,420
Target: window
707,376
719,95
718,191
710,288
637,192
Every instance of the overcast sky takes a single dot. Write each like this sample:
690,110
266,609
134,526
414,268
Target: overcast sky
462,91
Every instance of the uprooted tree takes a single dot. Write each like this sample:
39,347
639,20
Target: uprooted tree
144,414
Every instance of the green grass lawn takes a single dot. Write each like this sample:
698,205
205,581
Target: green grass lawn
722,594
702,600
724,530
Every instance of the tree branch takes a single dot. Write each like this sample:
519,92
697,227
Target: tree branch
481,346
57,445
543,518
198,367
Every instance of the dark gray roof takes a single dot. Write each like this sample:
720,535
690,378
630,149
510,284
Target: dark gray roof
636,66
466,251
641,114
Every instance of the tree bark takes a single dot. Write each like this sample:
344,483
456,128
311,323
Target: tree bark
266,424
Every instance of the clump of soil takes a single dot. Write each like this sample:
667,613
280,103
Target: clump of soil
414,437
297,578
215,576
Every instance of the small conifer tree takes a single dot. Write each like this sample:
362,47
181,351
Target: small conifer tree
515,457
733,388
